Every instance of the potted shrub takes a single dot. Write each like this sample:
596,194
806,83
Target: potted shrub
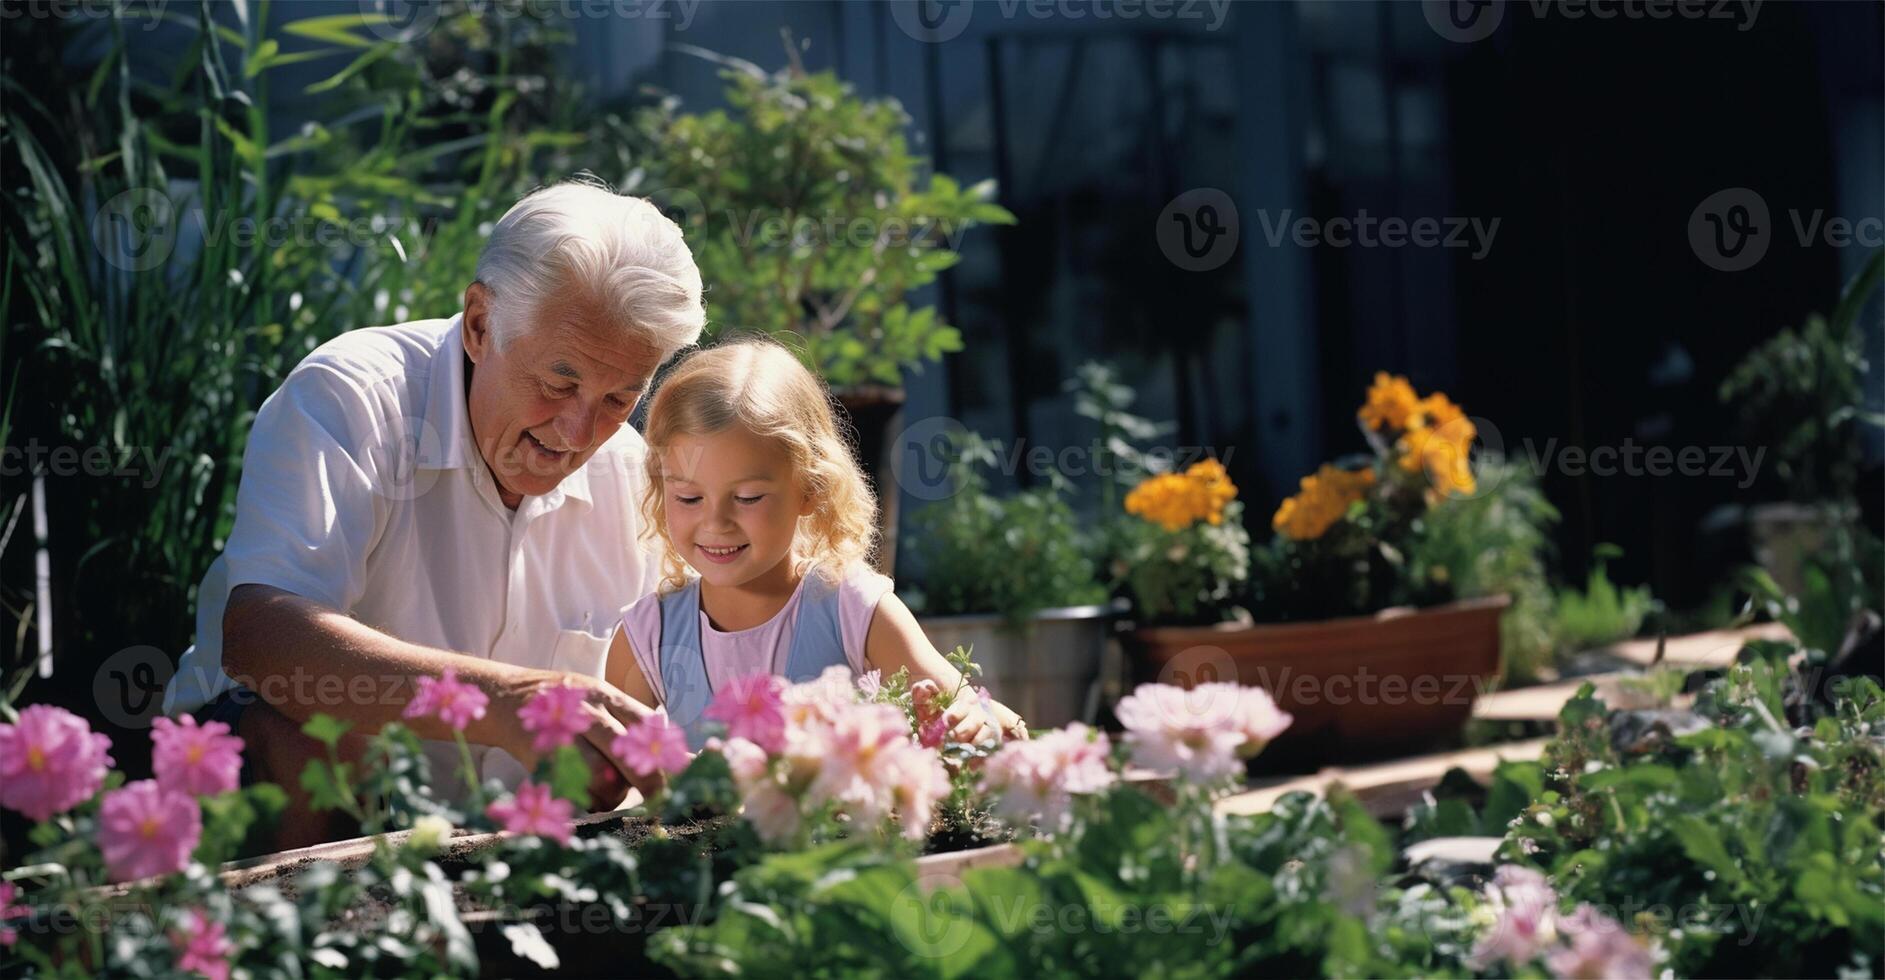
812,221
1374,613
1010,579
1802,393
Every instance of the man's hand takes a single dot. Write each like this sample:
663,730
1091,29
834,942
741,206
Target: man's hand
609,711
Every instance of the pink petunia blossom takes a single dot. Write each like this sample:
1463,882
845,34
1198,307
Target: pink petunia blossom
752,708
919,782
533,810
1598,948
1037,780
197,761
556,715
870,685
146,830
50,762
9,912
451,700
1526,910
1197,734
748,762
856,770
653,744
773,812
203,946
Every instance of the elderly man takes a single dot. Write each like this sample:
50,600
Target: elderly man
453,494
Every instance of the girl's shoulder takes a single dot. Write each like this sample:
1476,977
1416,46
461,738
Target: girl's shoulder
853,579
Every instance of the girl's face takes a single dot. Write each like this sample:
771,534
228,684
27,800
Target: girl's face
733,504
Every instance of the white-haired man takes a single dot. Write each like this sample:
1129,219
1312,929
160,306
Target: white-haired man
451,494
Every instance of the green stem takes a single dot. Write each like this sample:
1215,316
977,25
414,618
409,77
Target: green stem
471,771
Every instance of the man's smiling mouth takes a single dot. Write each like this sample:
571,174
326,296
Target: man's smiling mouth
536,445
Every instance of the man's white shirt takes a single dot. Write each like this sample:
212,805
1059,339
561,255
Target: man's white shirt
363,490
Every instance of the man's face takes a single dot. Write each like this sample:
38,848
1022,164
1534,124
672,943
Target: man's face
568,379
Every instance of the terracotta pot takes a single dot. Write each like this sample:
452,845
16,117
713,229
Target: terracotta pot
876,414
1357,687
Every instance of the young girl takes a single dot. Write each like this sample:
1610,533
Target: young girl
751,486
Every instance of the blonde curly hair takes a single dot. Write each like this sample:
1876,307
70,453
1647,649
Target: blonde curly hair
760,385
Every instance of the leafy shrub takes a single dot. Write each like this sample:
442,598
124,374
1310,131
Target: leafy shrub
810,216
1802,392
976,552
1602,612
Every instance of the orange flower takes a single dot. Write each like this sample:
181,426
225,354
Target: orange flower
1391,402
1325,499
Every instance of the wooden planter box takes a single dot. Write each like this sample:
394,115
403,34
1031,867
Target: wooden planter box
1358,687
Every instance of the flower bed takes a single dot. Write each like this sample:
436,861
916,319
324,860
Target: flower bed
1741,837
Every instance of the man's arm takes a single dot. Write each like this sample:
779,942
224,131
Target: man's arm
304,658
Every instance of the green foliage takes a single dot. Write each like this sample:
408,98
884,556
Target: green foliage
1016,555
1802,392
1839,582
1602,612
1746,847
170,254
812,220
1291,894
1186,577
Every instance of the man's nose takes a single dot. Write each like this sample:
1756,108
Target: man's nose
576,427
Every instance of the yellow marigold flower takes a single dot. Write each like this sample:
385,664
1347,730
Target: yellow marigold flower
1176,501
1444,451
1324,499
1391,402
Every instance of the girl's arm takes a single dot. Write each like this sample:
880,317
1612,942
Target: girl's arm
896,641
624,671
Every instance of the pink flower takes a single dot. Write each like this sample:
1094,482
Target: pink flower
8,912
203,946
556,714
50,762
752,709
453,701
934,732
920,781
145,830
1196,733
1527,910
773,812
1037,780
1599,948
197,761
856,764
870,685
653,744
534,811
748,762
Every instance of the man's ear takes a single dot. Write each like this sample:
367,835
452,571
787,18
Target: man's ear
479,341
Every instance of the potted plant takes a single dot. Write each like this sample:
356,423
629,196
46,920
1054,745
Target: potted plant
1374,613
812,221
1802,393
1010,578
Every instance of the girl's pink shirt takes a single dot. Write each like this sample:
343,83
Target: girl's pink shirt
763,648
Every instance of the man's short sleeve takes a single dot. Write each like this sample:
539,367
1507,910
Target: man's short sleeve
308,511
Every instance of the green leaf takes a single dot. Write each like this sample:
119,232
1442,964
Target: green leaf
326,729
569,775
336,28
